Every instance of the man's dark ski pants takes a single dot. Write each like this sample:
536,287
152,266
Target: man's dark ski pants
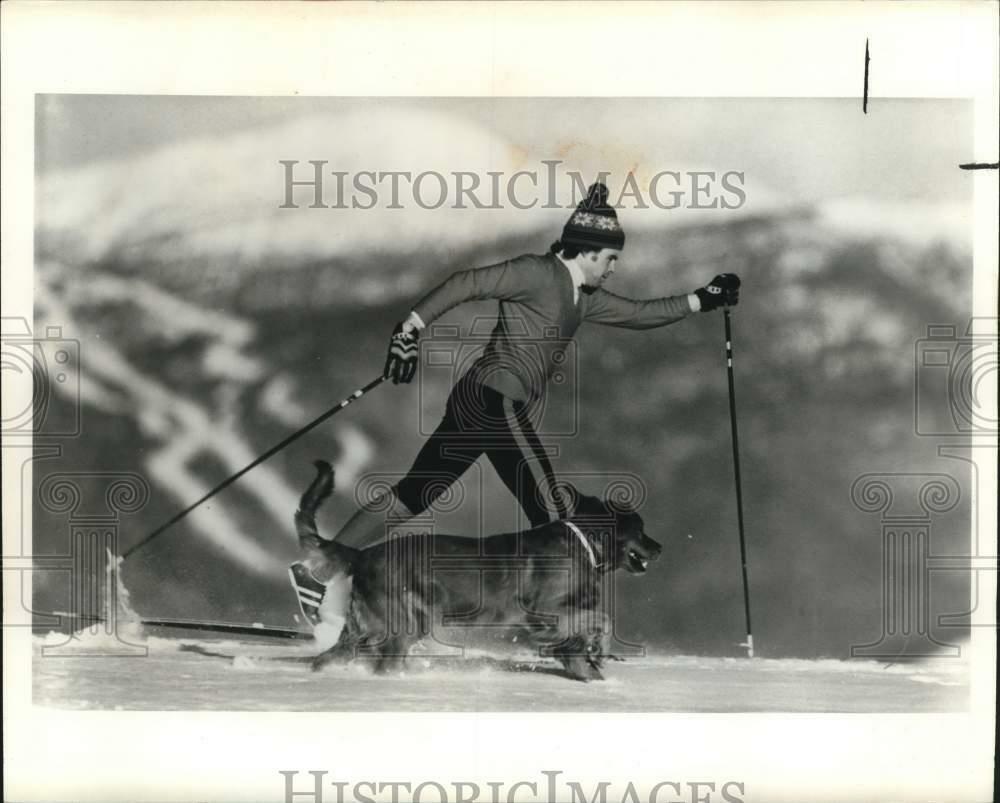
477,420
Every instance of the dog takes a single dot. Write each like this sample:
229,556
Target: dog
541,586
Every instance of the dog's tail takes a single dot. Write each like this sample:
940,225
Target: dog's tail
305,517
320,489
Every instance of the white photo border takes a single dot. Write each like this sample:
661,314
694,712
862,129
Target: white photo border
502,49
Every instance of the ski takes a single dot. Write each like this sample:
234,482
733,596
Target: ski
212,626
234,628
198,649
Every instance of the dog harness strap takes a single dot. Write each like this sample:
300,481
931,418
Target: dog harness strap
584,541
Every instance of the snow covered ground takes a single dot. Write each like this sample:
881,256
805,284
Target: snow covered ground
185,673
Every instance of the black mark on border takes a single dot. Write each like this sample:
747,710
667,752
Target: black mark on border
868,58
980,166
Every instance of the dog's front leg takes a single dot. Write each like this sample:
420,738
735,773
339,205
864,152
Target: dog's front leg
595,653
574,655
599,639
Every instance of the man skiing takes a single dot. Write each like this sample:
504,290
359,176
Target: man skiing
542,301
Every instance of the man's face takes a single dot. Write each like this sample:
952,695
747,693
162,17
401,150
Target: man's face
597,266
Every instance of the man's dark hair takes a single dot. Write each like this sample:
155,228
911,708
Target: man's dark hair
569,251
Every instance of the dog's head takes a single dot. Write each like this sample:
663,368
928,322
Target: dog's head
615,530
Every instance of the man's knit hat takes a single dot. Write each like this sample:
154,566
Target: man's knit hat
594,224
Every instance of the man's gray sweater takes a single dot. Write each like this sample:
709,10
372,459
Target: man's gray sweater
538,316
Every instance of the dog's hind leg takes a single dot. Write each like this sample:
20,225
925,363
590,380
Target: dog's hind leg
345,650
340,653
337,654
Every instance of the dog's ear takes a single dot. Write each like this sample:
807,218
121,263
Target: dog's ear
619,500
567,498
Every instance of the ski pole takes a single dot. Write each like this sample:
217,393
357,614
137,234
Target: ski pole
739,484
273,450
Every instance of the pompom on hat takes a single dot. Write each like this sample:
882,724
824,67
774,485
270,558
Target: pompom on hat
594,224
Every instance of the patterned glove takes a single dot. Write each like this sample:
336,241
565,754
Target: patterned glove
401,361
722,291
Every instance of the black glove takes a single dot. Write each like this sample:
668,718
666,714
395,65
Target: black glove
401,361
722,291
